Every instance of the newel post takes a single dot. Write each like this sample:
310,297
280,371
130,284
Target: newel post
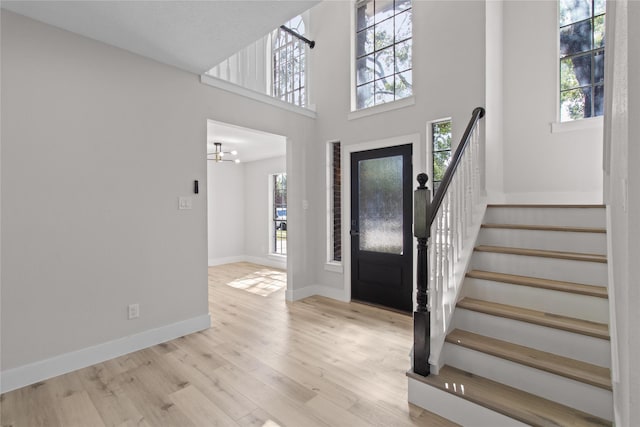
421,316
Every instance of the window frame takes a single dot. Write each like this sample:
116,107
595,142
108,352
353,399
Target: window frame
432,151
272,216
332,263
272,68
356,112
593,121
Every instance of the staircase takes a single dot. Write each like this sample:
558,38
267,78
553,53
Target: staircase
529,337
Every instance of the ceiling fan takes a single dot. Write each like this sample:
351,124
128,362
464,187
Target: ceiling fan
218,154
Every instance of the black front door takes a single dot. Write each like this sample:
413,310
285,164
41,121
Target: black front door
381,215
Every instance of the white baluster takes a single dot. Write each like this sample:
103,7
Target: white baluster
449,247
458,196
469,191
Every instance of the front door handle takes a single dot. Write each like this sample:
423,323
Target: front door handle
354,233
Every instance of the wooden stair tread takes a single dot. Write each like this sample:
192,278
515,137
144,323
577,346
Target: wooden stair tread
546,228
570,324
536,282
544,206
570,368
575,256
509,401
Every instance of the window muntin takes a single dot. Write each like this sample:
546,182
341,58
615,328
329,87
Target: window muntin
383,51
288,58
279,214
582,24
441,149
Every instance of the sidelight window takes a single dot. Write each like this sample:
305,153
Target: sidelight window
441,149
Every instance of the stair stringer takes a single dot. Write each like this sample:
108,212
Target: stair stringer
442,311
613,326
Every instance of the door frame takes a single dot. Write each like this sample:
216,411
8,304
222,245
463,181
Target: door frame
345,158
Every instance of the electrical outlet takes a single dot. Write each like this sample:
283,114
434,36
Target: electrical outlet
134,311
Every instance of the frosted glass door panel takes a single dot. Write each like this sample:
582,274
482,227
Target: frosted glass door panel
380,200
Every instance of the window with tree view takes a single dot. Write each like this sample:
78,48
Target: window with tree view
441,134
582,25
383,51
289,64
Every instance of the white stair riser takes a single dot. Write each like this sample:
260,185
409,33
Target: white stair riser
585,397
588,273
567,241
550,301
568,344
456,409
577,217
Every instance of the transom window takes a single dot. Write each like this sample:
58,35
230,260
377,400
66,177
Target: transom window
289,64
582,25
383,51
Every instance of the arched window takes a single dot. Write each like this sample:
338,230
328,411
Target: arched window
289,58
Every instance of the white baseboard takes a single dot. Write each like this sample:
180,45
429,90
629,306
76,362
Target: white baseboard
279,262
226,260
311,290
22,376
275,262
456,409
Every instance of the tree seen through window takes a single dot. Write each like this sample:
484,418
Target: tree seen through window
582,24
383,51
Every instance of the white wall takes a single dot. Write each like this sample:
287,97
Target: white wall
540,166
449,80
97,145
622,152
94,159
239,211
493,121
226,217
257,212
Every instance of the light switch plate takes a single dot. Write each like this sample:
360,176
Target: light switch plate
185,203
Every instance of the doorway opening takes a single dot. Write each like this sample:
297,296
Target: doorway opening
241,164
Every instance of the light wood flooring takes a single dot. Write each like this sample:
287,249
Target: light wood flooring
264,363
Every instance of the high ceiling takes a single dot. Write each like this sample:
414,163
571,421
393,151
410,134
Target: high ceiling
191,35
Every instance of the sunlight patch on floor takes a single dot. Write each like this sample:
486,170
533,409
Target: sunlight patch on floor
262,282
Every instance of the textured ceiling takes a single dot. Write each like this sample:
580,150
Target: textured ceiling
191,35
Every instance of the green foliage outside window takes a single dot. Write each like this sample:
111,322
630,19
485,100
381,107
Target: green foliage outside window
441,133
582,40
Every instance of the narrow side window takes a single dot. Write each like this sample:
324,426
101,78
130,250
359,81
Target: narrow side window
581,58
334,195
